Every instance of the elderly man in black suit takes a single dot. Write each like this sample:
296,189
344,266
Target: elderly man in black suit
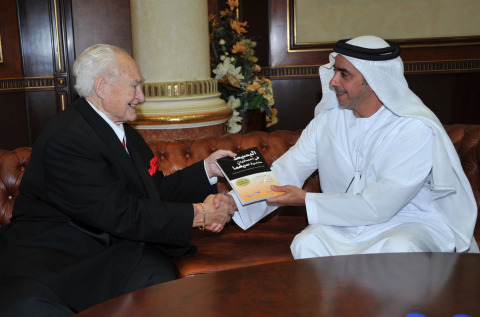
94,219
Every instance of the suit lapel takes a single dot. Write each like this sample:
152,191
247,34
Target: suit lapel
112,143
142,168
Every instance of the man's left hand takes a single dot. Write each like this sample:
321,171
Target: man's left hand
211,166
292,196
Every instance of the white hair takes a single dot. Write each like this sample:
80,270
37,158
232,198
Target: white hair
97,60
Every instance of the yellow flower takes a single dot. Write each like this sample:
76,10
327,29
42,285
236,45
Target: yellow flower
211,18
267,91
270,99
253,86
239,26
229,79
232,4
239,48
273,120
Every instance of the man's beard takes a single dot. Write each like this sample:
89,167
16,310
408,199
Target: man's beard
348,106
345,104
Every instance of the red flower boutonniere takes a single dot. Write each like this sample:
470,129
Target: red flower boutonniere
153,165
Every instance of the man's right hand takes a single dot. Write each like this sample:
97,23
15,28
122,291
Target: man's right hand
219,209
219,198
217,201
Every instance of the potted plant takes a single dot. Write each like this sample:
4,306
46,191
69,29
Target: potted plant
235,67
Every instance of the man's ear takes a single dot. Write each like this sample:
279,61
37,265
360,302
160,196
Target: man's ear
99,86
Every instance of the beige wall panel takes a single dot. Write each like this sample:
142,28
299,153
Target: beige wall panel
318,21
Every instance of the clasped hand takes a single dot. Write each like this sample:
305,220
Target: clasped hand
219,210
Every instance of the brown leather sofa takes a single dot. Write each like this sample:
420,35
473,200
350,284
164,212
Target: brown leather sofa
268,240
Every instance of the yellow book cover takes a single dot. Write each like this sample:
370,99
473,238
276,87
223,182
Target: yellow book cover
249,175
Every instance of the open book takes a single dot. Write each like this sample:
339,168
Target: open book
249,175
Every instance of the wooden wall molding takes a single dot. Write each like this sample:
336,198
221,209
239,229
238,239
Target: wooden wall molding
454,66
288,72
27,83
311,71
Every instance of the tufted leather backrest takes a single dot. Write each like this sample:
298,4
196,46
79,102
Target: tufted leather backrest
177,154
466,139
12,166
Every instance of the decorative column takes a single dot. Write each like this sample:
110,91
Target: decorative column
171,47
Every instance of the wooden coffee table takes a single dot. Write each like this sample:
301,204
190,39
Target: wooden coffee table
434,284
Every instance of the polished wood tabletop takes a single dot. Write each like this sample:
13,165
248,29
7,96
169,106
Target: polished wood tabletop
433,284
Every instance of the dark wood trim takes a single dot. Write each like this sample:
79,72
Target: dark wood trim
12,64
453,66
36,80
62,30
280,54
311,71
27,83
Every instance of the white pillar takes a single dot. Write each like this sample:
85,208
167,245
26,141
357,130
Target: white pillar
171,46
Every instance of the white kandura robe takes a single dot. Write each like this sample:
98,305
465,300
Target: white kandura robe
389,159
359,222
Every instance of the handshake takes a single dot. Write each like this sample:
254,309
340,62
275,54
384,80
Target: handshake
217,209
214,212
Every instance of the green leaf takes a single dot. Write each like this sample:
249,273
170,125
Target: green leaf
256,102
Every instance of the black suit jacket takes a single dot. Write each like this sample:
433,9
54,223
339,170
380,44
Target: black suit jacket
86,209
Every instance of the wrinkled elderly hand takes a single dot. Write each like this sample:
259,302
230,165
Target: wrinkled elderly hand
218,212
219,198
228,199
211,166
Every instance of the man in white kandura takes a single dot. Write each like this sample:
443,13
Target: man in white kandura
390,176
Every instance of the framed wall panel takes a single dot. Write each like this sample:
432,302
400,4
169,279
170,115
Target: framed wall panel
316,22
288,47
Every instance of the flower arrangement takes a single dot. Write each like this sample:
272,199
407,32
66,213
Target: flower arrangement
235,67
